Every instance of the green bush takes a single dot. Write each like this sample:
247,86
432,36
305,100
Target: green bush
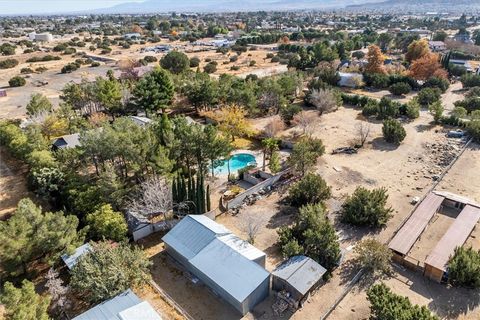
70,51
17,81
393,131
95,64
473,128
428,96
70,67
464,268
150,59
412,109
400,88
8,63
388,108
45,58
194,62
370,109
26,70
436,110
470,80
289,111
367,208
436,82
175,61
469,104
386,305
377,80
311,189
210,67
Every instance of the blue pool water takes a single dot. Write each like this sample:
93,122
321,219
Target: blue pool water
237,161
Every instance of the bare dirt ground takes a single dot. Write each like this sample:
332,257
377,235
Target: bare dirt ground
13,184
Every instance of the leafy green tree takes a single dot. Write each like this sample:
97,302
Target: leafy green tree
214,145
373,255
305,154
386,305
311,189
47,182
393,131
154,91
367,208
437,82
175,61
30,236
104,223
312,235
24,303
108,270
412,109
436,110
400,88
202,92
473,128
38,104
464,267
109,95
41,159
470,80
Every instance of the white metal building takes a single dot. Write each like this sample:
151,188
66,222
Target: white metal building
231,267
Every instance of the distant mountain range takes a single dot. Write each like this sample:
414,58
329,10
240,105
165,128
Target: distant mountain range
155,6
419,5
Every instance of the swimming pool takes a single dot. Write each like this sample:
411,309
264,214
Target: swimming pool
237,161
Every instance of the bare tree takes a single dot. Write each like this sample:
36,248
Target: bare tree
274,126
324,100
251,224
57,291
363,131
155,198
305,121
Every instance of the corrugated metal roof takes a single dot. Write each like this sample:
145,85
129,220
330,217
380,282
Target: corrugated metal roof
229,269
68,141
110,309
455,236
414,226
71,260
456,197
192,234
141,311
300,272
241,246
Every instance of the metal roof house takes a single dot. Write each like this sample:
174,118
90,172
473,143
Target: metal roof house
231,267
125,306
67,141
141,121
299,275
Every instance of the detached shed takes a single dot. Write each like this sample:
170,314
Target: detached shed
299,275
71,260
229,266
67,141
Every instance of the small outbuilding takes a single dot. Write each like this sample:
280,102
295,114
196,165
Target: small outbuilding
125,306
66,142
299,276
71,260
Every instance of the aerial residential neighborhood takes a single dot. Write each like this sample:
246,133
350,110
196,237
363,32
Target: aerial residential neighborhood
210,159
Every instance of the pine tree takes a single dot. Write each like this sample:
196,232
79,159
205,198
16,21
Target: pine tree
174,191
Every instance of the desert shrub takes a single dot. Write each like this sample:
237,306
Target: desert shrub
233,58
373,256
428,96
388,108
289,111
412,109
150,59
367,208
26,70
358,54
377,80
456,70
436,110
234,68
17,81
464,267
175,61
210,67
473,128
252,63
386,305
393,131
45,58
60,47
313,235
469,104
370,109
95,64
194,62
470,80
69,51
70,67
8,63
311,189
436,82
400,88
270,55
275,59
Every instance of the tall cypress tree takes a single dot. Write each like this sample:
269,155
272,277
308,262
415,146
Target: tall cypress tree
175,191
208,199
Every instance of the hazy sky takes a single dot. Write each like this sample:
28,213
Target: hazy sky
52,6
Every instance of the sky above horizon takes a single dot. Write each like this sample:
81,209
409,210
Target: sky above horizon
54,6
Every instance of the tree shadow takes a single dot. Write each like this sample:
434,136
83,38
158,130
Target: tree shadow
379,143
424,127
284,216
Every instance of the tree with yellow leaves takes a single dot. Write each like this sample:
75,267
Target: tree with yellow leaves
417,49
232,121
426,67
375,60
